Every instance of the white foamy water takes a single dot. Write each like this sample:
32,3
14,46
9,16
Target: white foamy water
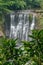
22,29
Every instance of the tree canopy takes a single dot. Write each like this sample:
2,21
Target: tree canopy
7,5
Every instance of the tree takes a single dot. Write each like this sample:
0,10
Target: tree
28,3
6,5
36,4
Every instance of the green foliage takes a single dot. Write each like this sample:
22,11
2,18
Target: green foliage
3,5
31,51
33,3
10,54
35,46
19,4
7,5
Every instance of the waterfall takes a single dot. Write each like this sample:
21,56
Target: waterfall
32,26
33,23
26,27
22,28
12,27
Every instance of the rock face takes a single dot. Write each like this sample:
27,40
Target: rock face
39,23
1,34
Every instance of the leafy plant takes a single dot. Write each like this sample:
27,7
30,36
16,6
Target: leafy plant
35,46
10,54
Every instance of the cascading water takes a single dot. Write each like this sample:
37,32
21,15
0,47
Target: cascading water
22,29
12,27
32,26
33,23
